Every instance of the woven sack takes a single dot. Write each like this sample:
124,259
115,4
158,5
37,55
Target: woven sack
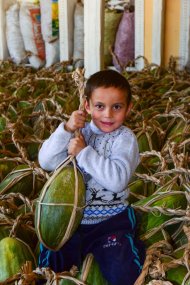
124,50
14,38
30,25
49,20
111,22
52,52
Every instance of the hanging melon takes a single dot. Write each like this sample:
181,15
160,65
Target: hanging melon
60,206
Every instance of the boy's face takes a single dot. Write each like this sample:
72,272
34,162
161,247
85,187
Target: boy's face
108,108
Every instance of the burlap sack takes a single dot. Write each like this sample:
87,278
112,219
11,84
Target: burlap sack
124,46
111,22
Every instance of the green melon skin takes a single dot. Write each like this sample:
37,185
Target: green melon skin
94,275
4,231
176,275
51,221
149,221
5,168
139,187
14,254
15,182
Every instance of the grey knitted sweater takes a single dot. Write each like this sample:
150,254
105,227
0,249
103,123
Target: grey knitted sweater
107,162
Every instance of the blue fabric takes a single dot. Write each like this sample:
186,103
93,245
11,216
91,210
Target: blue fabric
113,243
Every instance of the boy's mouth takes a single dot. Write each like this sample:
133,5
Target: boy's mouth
107,123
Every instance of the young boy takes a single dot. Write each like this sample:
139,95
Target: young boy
107,153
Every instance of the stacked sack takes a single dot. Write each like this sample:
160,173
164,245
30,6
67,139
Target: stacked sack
32,32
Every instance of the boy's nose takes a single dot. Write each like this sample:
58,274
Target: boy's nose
108,112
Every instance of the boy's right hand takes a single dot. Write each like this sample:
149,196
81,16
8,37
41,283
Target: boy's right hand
76,121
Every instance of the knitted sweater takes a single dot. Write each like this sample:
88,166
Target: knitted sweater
107,162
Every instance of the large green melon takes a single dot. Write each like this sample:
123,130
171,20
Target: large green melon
150,223
60,206
89,274
14,254
22,179
176,272
5,168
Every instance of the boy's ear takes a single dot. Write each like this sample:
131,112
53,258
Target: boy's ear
87,106
129,109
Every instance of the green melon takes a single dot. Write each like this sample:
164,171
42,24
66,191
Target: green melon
2,124
89,274
14,254
147,140
59,209
5,168
139,189
21,180
4,231
152,221
176,274
178,132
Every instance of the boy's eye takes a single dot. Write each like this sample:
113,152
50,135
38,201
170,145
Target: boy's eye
99,106
117,107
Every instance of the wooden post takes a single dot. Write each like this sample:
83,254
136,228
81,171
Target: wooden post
66,29
139,33
184,53
158,31
94,35
3,42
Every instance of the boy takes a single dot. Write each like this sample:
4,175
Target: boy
107,153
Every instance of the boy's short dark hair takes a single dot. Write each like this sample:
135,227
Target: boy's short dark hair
107,78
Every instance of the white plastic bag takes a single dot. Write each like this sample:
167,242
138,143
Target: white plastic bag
30,24
14,37
52,53
49,19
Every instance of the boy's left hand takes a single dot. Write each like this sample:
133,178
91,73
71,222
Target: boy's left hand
76,145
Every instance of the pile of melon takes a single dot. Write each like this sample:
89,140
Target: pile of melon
33,103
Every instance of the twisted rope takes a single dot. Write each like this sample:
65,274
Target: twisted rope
153,253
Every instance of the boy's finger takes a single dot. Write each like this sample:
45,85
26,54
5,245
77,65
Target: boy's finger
80,136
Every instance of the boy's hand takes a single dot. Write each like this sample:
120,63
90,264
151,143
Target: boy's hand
76,121
76,145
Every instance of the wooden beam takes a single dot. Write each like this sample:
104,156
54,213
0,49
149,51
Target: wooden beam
184,52
94,35
3,42
158,31
66,29
139,33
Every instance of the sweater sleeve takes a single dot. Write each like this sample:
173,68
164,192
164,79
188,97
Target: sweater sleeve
54,150
114,172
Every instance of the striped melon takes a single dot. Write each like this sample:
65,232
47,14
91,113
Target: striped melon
59,209
151,223
21,180
14,254
89,274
